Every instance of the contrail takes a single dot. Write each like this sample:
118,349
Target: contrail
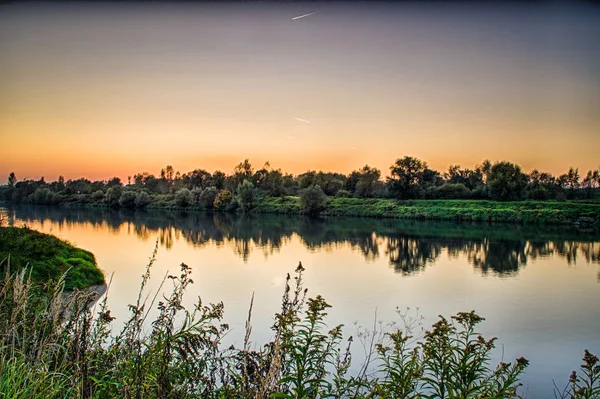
352,148
302,120
290,137
302,16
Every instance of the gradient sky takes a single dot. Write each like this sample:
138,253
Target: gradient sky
104,89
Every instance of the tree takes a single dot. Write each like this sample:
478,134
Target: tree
167,174
590,182
570,181
198,178
306,179
60,183
312,200
79,186
367,180
218,179
406,174
42,196
12,179
243,171
247,195
506,182
269,180
329,182
115,181
484,169
467,177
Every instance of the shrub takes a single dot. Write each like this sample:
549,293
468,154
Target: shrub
343,194
196,193
450,191
312,200
127,199
42,195
98,196
223,200
142,200
184,198
113,195
208,196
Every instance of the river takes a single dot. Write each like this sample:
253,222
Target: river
537,287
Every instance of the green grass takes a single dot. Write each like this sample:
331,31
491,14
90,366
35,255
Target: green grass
530,212
48,258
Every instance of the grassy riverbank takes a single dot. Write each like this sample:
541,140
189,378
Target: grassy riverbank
47,257
586,214
530,212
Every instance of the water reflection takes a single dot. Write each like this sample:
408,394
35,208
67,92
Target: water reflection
410,246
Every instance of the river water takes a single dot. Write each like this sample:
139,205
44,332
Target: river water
537,287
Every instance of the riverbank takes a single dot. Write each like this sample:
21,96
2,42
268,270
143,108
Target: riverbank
585,215
526,212
48,258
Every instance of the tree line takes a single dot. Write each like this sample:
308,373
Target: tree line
410,178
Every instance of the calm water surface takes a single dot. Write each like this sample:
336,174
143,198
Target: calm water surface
538,288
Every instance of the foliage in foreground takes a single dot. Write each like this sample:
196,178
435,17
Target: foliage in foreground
48,258
52,346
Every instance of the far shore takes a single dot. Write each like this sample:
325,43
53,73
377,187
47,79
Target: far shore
583,215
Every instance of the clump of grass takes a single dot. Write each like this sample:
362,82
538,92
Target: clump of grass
48,258
52,345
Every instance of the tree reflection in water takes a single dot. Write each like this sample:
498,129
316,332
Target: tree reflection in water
408,245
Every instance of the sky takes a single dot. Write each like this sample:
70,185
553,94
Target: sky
101,89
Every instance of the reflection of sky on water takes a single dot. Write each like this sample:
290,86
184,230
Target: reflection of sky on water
409,246
544,306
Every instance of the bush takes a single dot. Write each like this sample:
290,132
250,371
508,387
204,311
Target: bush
196,193
113,195
208,196
449,191
42,195
142,200
184,198
223,200
312,200
343,194
127,199
98,196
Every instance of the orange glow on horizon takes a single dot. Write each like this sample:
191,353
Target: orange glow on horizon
96,91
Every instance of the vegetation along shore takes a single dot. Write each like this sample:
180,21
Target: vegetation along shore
54,346
491,192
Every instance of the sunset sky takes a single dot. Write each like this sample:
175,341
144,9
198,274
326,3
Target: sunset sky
104,89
